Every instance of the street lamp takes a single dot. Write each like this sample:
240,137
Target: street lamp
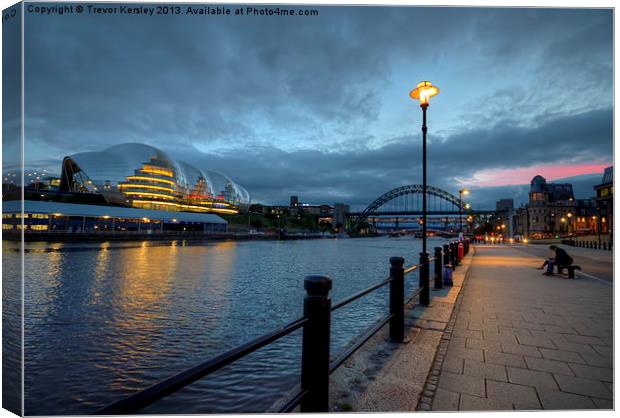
461,193
423,92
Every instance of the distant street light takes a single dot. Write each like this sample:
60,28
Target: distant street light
461,193
423,92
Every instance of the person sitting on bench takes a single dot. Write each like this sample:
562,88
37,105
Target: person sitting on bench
561,258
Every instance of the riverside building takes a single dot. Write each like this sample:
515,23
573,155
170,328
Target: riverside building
548,212
125,188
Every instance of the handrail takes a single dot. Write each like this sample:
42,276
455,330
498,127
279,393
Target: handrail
412,268
293,401
170,385
413,295
363,337
360,294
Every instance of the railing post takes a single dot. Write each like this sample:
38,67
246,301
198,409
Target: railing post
315,344
454,259
425,294
438,268
397,299
604,245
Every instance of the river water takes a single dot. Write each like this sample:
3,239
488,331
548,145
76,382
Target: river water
103,320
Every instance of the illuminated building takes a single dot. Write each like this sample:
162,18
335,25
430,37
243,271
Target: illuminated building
552,209
41,217
605,201
142,176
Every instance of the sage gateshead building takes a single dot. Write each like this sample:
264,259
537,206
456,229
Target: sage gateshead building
124,189
142,176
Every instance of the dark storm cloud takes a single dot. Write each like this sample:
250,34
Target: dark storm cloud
358,177
315,106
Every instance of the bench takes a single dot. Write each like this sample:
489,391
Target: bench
571,270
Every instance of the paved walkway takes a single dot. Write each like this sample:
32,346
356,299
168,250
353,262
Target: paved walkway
594,263
521,340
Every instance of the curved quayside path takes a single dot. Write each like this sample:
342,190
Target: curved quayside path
522,340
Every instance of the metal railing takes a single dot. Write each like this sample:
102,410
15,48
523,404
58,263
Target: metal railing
596,245
316,365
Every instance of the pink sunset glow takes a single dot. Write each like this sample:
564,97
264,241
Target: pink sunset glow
523,175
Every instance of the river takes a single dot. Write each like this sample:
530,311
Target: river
106,319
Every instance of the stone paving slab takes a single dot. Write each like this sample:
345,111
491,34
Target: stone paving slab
522,340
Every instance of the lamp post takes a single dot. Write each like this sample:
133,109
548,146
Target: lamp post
461,193
423,92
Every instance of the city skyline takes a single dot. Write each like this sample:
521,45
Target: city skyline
318,106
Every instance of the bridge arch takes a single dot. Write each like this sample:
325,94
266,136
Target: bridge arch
409,190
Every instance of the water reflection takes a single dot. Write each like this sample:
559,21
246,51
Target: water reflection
106,319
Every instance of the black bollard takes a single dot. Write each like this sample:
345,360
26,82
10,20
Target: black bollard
315,344
425,294
456,253
452,255
397,299
446,254
609,246
604,245
438,268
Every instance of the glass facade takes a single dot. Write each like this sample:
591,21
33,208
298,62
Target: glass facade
143,176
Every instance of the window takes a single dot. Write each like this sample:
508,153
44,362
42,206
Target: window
38,227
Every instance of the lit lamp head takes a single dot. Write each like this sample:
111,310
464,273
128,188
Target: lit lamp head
423,92
464,192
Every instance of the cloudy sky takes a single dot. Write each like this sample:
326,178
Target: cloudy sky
318,106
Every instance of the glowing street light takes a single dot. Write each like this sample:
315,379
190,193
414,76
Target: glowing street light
461,193
423,92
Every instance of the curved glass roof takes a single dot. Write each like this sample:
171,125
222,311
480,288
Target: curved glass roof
113,166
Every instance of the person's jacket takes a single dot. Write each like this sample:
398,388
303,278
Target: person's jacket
562,258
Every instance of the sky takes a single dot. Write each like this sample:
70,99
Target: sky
319,107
